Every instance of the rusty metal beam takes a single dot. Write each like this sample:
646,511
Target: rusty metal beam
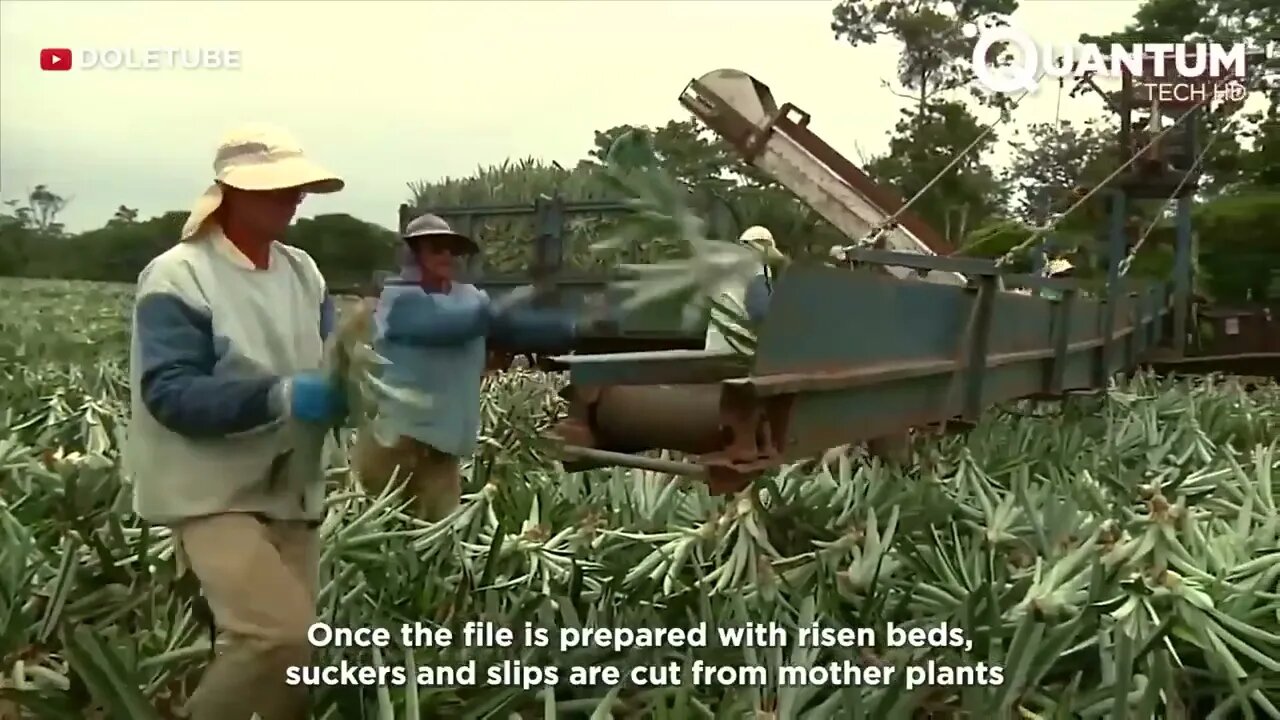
851,355
605,457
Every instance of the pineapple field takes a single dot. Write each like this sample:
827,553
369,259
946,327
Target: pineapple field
1116,556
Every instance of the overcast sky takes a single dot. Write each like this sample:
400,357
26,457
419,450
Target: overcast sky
388,93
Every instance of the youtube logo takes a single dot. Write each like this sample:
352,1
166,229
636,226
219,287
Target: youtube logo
55,59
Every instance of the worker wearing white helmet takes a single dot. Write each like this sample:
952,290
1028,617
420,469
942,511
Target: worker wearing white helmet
759,238
1058,266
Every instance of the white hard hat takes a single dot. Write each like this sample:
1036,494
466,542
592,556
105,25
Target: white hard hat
756,234
1058,265
759,238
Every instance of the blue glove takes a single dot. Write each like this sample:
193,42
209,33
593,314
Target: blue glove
314,398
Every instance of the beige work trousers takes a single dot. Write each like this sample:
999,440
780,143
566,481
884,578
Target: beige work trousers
260,578
430,478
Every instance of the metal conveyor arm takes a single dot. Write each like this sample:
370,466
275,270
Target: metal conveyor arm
742,110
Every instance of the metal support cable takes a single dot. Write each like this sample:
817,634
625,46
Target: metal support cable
986,130
1040,232
1057,110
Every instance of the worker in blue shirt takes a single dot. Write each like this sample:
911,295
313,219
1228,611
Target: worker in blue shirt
435,332
758,239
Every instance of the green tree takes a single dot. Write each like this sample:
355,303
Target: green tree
936,127
124,215
1226,21
14,244
116,252
1239,249
688,152
1259,166
1229,164
29,224
1056,155
347,250
936,50
922,145
39,211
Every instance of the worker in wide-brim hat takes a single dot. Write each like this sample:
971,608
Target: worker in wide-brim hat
229,415
1059,267
760,240
435,332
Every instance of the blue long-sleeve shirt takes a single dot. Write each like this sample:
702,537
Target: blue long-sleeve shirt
436,345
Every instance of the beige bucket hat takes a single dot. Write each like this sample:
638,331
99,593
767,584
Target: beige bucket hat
258,156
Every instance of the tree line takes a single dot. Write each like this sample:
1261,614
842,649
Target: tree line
977,207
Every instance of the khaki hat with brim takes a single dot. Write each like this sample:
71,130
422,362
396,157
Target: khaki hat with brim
258,156
434,228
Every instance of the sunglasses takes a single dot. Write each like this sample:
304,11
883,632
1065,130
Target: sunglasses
285,196
438,248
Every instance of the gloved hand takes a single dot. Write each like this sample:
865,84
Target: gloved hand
313,397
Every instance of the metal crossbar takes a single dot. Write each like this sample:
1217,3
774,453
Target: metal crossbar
987,129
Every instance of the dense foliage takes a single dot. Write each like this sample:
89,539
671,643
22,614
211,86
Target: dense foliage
1114,553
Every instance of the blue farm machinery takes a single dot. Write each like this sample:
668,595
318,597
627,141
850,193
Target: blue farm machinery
898,334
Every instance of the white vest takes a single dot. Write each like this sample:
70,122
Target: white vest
262,322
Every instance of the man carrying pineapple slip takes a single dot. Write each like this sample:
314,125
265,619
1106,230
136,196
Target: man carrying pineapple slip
433,330
229,412
751,296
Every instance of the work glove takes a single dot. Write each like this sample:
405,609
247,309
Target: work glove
316,398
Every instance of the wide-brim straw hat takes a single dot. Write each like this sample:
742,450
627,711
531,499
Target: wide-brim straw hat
437,229
258,156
